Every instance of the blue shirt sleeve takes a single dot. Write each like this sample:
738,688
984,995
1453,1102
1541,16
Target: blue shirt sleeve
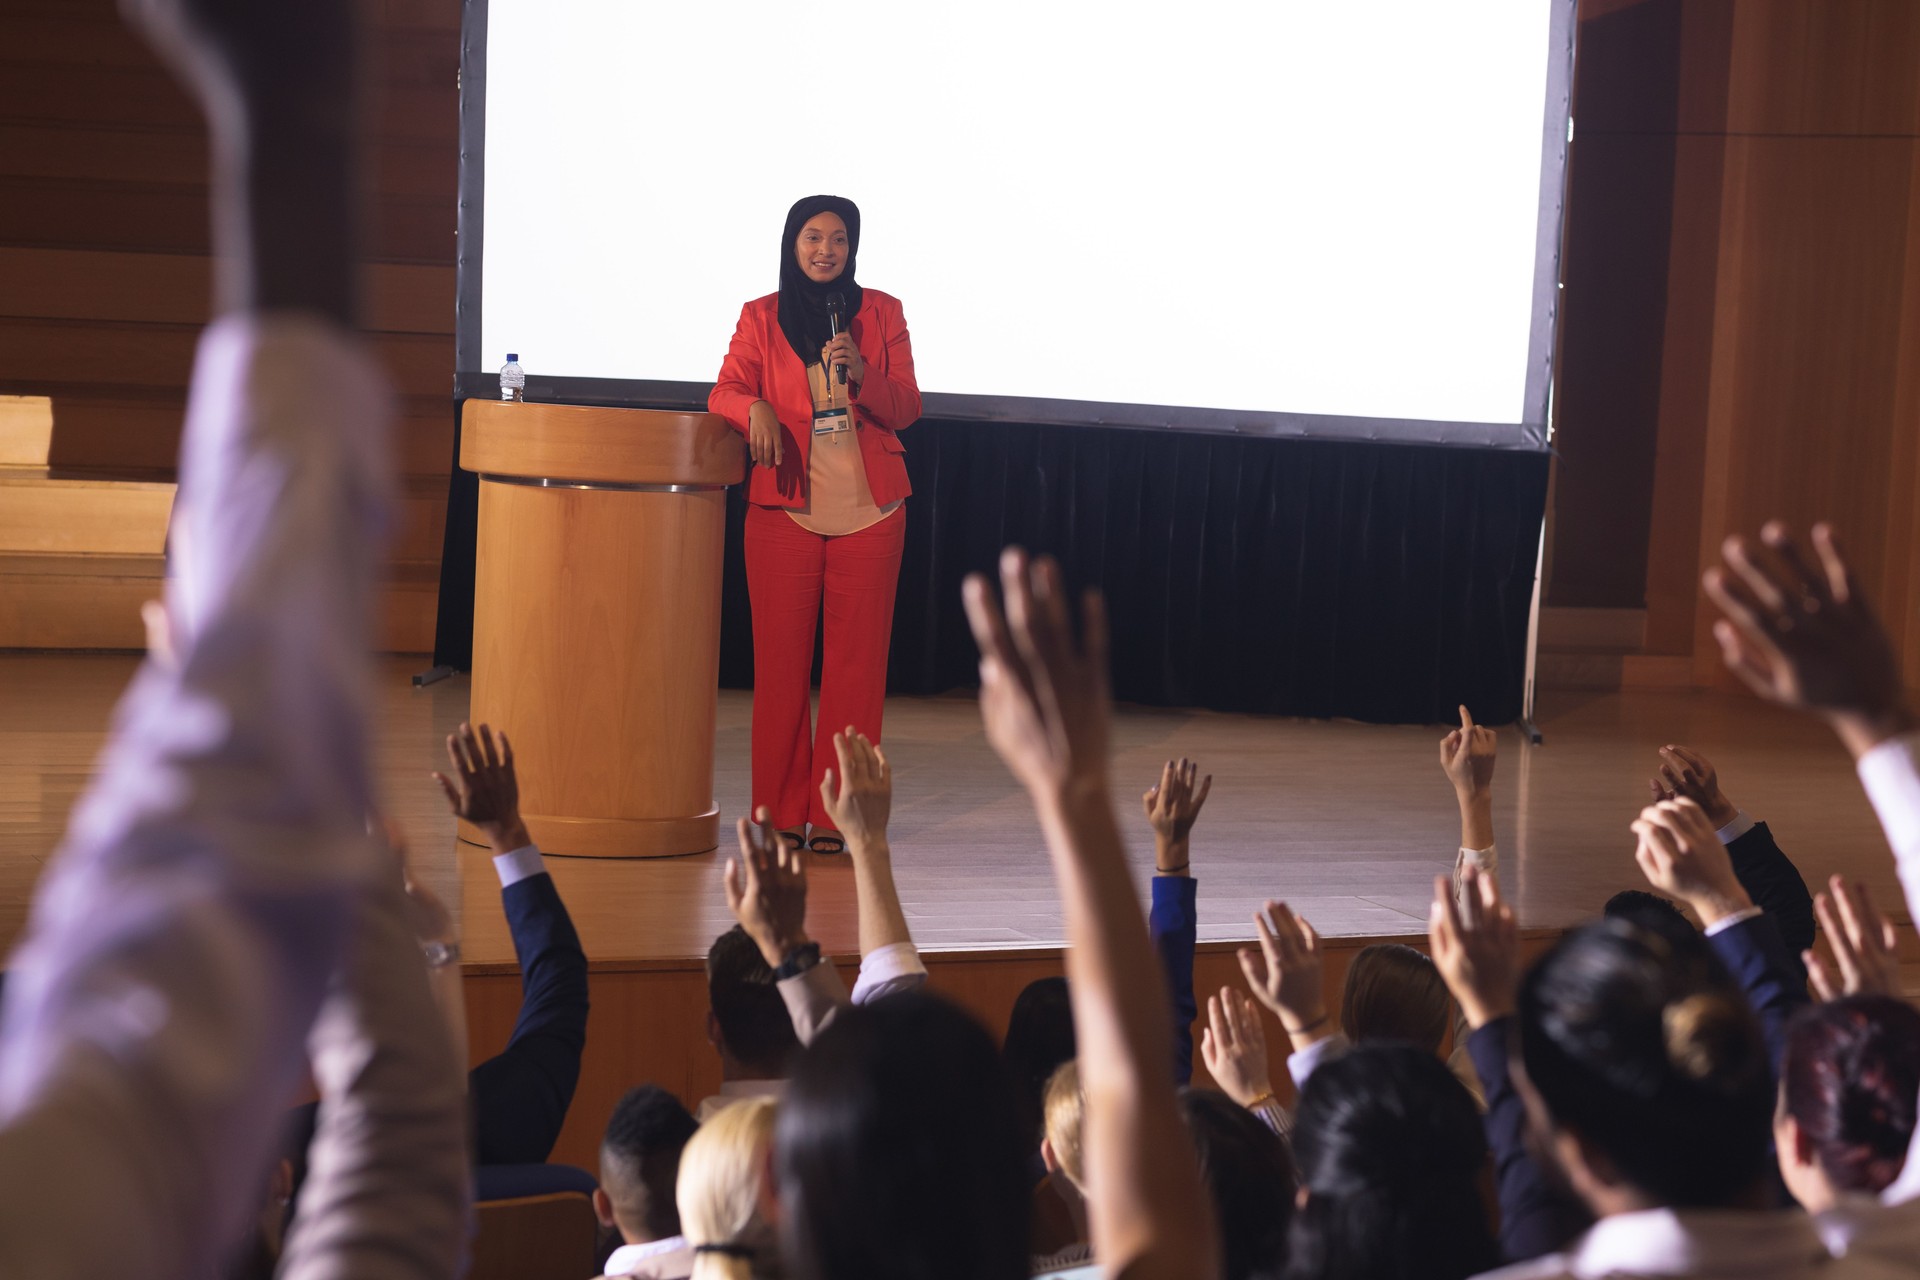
1535,1217
1174,924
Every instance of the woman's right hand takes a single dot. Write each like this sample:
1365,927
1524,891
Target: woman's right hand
763,435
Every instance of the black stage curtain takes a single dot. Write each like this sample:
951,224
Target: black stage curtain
1319,578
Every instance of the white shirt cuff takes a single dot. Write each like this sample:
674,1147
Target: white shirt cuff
1486,861
1302,1063
514,867
1891,774
1725,923
885,968
1742,823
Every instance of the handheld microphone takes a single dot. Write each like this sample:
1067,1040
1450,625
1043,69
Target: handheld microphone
836,303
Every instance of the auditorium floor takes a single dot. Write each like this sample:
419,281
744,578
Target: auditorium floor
1348,822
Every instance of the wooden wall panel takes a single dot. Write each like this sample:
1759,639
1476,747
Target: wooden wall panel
104,233
1787,357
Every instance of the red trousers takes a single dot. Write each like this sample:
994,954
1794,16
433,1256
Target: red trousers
792,576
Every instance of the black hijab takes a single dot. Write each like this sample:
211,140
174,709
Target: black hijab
803,302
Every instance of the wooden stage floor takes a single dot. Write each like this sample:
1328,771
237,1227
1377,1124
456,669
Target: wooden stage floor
1348,822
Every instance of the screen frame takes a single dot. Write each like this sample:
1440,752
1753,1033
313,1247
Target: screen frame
472,377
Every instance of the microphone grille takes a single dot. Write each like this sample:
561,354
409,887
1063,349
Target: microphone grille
836,301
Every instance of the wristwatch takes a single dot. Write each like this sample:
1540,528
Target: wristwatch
798,961
439,955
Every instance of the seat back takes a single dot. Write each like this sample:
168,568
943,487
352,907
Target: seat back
545,1237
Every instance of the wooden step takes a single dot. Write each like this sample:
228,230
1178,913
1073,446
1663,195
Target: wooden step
26,430
93,602
46,512
59,511
96,426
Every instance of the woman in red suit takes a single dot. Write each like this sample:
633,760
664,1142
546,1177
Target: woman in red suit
826,522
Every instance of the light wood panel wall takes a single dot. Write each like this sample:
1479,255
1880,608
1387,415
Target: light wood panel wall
104,239
1788,346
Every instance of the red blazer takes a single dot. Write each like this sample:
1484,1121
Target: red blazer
760,365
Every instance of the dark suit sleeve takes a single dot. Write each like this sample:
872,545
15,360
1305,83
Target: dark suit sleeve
1753,951
1174,924
1536,1217
520,1098
1774,884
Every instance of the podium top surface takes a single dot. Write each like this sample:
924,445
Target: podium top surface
590,444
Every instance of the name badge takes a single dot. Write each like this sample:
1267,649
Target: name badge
829,422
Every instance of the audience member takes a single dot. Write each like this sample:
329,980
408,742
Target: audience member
1059,1231
766,889
898,1150
520,1095
722,1186
1046,706
217,906
1767,874
1249,1173
1800,633
1393,993
640,1160
747,1022
1847,1097
1172,805
1039,1038
1649,1081
1390,1150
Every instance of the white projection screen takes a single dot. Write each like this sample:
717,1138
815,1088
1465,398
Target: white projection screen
1255,216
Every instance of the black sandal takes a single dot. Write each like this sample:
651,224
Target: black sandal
793,838
827,843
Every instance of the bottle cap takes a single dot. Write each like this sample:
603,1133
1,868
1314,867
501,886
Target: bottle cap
513,357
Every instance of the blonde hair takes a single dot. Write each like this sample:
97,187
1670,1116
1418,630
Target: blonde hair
718,1192
1065,1106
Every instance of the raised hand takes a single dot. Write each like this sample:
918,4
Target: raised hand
1172,804
1467,755
1043,692
1234,1046
859,798
1285,973
1805,637
484,789
766,888
1685,774
1865,945
1681,855
1476,946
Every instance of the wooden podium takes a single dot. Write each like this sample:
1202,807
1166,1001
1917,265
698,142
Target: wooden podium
596,621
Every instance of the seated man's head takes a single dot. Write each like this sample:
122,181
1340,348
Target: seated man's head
639,1162
747,1021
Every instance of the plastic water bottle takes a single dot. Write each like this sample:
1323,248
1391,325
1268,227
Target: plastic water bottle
513,379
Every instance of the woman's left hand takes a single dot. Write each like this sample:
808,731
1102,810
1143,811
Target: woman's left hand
842,351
